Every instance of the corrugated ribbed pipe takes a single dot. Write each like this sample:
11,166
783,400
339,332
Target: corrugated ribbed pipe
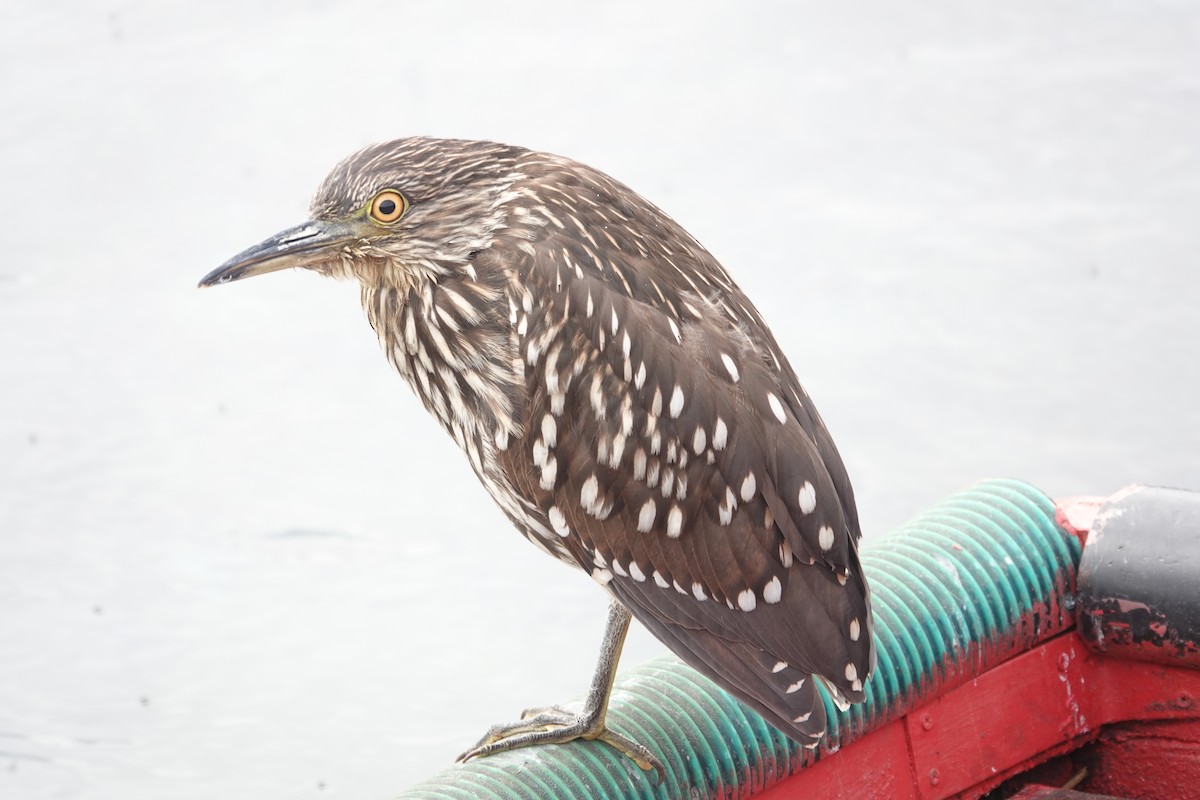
978,578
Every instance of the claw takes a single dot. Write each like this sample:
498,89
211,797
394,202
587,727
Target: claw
553,725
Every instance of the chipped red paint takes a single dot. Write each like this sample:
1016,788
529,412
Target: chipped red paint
1050,700
1134,724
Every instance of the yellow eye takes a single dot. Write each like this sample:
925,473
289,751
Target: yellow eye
388,206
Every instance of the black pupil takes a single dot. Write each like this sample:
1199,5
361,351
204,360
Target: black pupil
387,207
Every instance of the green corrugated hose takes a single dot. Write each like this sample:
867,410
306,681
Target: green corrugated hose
977,578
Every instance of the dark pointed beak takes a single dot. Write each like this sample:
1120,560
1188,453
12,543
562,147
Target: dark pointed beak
300,246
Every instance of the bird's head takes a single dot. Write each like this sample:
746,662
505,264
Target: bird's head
395,212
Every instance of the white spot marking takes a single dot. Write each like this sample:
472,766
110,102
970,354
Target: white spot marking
720,434
656,403
698,592
777,407
588,493
602,576
539,452
640,378
807,498
855,629
797,686
676,402
618,569
856,686
749,486
660,580
501,439
636,573
825,537
679,588
674,521
646,516
626,344
616,323
785,553
549,430
675,330
549,473
731,367
639,464
851,672
559,522
699,441
590,307
804,718
773,591
780,666
746,600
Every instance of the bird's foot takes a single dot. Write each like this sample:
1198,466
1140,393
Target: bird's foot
556,725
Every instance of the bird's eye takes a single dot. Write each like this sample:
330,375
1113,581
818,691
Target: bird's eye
388,206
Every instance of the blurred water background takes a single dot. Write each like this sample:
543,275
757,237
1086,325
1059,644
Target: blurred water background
236,558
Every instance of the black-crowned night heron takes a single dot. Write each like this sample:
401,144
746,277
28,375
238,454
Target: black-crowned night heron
621,400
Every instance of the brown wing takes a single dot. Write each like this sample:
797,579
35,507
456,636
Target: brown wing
671,448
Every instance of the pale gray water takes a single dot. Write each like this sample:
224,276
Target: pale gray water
237,560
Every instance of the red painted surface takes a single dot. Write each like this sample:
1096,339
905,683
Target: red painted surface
1047,701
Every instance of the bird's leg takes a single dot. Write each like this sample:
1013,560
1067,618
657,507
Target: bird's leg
556,725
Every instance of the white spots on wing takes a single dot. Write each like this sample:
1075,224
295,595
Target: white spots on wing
804,718
856,685
807,498
640,378
676,402
660,581
627,415
602,576
501,439
720,434
652,473
598,559
523,325
549,473
699,441
773,591
855,629
797,686
616,323
549,430
656,402
591,307
540,451
618,569
746,600
558,522
626,344
727,507
616,451
842,578
674,521
749,487
639,464
776,407
589,493
851,672
558,401
636,573
646,515
675,331
731,367
596,397
825,537
785,553
668,482
780,666
698,592
678,588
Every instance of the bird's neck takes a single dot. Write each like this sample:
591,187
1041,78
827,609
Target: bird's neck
447,336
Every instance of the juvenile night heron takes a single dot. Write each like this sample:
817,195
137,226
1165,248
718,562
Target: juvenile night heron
621,400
